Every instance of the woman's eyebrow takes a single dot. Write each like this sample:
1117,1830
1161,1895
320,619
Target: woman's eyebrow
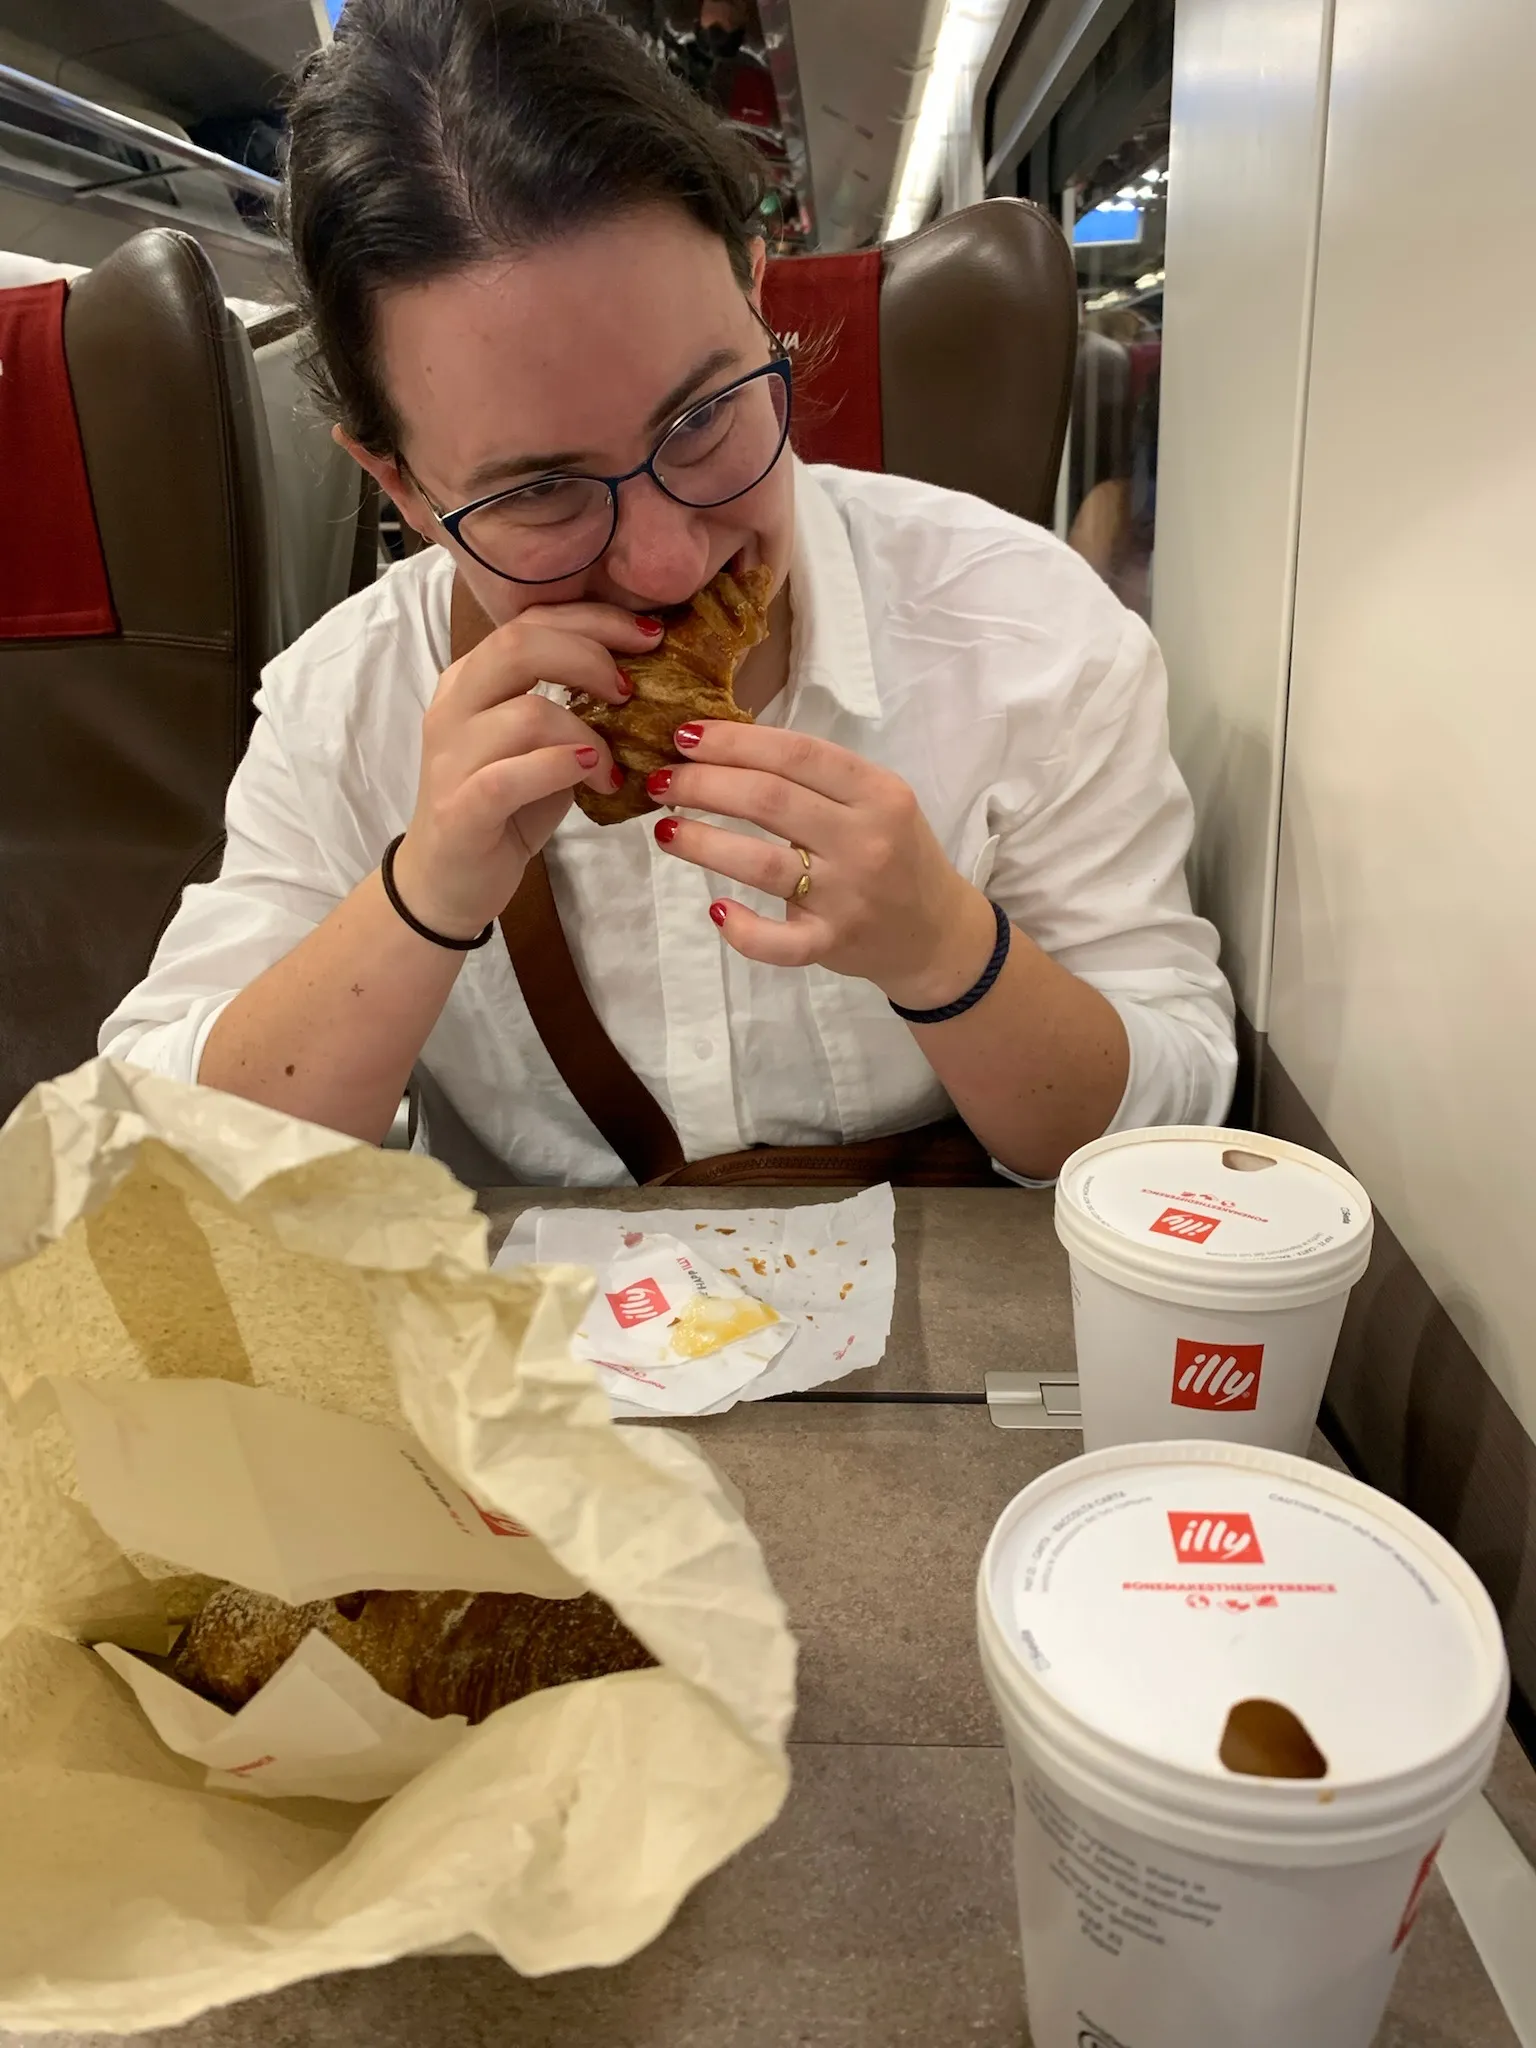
506,470
717,360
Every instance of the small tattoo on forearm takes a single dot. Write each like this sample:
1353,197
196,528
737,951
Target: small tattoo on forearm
357,988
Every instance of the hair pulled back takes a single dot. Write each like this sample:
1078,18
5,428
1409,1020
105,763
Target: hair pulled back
431,134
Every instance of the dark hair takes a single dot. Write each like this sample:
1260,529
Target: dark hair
433,133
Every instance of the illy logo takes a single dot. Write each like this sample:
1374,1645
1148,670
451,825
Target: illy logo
1223,1376
1415,1899
1183,1223
498,1524
1214,1539
641,1302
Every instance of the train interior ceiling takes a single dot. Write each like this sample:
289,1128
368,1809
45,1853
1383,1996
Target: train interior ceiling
1317,496
831,96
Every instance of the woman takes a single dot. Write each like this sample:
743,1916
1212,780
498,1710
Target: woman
527,256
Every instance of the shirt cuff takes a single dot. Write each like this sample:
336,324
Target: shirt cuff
1021,1180
1181,1072
174,1050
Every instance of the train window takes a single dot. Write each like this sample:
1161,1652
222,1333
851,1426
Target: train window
1087,136
1117,235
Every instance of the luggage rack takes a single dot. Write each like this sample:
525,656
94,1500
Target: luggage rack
55,145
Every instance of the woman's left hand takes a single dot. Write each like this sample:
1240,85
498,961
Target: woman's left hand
884,903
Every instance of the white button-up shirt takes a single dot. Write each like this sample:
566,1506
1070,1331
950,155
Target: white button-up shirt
967,651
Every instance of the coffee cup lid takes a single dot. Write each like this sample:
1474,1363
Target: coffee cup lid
1214,1217
1142,1593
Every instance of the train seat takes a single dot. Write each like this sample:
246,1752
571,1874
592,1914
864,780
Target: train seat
126,694
946,356
327,508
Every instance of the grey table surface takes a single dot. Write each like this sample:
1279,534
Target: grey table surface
879,1908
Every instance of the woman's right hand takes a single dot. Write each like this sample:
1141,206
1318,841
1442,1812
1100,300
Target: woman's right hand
499,765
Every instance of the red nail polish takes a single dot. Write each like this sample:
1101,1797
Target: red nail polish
648,624
689,735
626,683
618,779
667,830
587,756
657,785
717,912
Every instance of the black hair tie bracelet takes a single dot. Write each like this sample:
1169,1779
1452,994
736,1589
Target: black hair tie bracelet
978,989
422,931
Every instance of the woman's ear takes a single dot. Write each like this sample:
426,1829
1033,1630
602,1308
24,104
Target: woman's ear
393,482
759,265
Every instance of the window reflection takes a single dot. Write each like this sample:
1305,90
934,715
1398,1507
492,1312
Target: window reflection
1118,241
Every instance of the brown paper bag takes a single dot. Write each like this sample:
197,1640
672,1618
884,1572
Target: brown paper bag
152,1229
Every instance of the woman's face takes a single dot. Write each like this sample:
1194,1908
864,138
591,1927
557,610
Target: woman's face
575,357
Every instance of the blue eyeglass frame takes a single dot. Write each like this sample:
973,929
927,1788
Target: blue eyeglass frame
779,366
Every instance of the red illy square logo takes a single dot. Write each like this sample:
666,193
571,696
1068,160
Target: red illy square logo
1214,1539
1221,1376
641,1302
1181,1223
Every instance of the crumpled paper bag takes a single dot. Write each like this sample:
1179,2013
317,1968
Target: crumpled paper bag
150,1229
294,1501
321,1727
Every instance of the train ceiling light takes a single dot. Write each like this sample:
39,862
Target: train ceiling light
967,30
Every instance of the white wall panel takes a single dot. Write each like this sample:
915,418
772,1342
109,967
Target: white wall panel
1404,997
1249,103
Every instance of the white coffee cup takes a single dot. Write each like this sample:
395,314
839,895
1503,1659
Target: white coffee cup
1126,1604
1210,1272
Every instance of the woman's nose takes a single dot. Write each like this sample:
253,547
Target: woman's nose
659,553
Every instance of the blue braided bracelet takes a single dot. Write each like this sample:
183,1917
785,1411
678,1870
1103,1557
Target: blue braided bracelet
974,994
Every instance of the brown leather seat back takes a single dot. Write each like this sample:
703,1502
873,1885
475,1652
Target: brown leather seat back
947,356
978,340
116,753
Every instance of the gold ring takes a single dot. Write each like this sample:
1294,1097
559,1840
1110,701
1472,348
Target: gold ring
802,888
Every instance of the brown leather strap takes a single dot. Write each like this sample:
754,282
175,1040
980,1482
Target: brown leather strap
943,1155
589,1063
586,1058
623,1108
467,624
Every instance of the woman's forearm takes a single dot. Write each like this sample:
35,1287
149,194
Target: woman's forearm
1038,1067
331,1032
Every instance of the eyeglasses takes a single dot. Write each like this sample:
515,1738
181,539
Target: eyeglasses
553,528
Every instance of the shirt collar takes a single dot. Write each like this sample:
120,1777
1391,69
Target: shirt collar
831,648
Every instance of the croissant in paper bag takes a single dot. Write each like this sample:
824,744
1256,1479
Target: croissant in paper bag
441,1653
689,676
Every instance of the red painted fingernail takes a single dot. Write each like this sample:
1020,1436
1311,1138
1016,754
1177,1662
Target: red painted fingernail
587,756
618,779
658,784
626,683
717,912
647,624
689,735
668,830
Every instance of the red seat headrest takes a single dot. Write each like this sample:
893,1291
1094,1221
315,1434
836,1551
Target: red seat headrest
827,309
55,584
